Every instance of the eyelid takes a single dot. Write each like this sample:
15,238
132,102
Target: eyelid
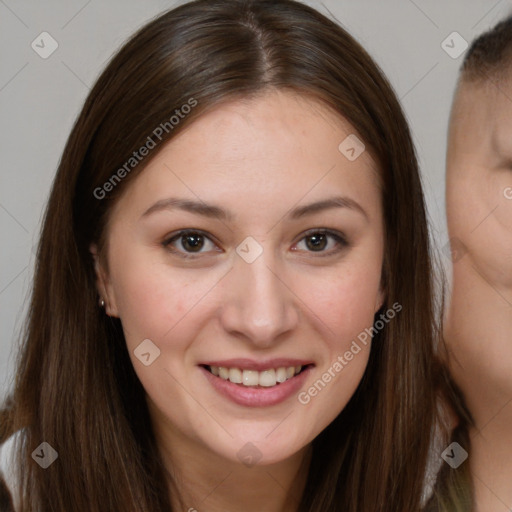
340,238
167,242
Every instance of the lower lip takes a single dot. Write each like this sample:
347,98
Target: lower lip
257,396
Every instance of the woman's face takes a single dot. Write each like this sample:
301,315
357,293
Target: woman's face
281,268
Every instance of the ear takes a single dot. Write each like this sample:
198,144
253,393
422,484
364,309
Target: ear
382,293
103,283
380,299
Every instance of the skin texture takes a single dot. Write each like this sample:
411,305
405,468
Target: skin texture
479,318
258,159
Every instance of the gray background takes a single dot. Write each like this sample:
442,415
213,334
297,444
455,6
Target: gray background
40,98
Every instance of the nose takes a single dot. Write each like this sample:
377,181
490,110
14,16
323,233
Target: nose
259,305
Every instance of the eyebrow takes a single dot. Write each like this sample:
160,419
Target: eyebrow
216,212
189,205
333,202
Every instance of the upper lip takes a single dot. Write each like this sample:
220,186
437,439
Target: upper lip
250,364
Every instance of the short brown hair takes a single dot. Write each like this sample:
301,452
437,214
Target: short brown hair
490,54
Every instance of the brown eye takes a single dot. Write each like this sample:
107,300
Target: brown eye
189,243
322,242
316,242
192,242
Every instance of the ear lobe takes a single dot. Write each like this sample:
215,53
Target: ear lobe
381,298
103,285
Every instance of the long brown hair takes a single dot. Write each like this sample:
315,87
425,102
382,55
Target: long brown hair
76,388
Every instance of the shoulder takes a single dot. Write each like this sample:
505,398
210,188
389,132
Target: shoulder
7,472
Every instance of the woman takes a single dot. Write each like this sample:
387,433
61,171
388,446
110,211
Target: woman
232,306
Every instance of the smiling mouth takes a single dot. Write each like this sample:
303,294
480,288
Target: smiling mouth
255,379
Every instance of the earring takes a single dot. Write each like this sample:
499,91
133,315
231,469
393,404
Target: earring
102,303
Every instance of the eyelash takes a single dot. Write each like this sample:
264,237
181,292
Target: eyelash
339,238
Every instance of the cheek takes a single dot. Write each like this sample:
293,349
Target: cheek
500,192
152,298
347,310
480,216
346,298
463,200
495,236
345,302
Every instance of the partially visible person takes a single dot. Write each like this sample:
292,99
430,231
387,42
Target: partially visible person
478,323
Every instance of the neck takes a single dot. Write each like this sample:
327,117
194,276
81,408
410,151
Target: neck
204,480
478,331
491,463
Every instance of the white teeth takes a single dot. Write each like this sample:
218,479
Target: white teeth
281,375
235,375
266,378
251,378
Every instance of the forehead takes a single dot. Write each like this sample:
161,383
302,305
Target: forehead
482,115
275,137
257,156
277,115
